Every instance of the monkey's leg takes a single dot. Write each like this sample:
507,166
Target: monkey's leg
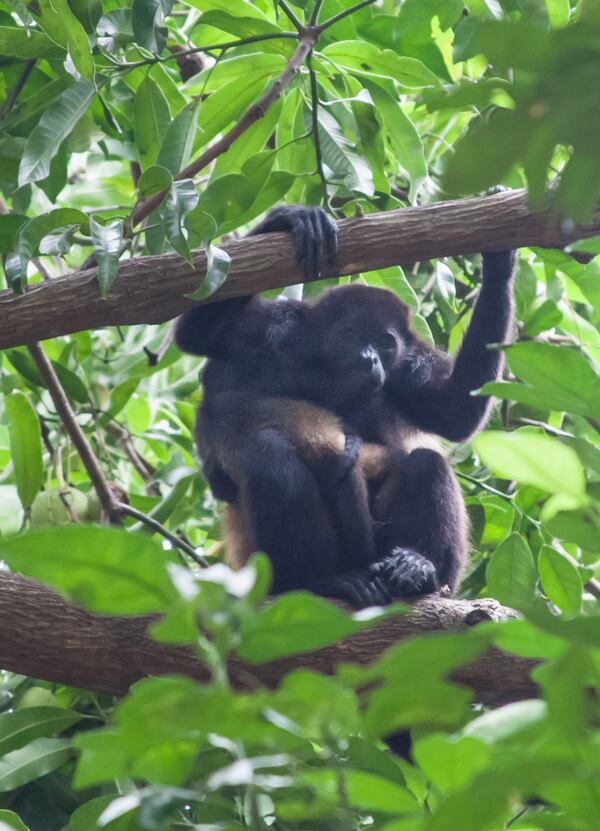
289,521
422,506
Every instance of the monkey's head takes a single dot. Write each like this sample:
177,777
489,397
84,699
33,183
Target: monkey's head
360,334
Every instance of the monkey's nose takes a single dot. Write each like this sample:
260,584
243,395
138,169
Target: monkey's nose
368,359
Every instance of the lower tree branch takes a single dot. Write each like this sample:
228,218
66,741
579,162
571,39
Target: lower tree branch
75,433
45,637
153,289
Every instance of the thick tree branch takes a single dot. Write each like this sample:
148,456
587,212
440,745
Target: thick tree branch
45,637
153,289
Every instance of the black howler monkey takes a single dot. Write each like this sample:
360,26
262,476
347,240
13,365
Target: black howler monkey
292,390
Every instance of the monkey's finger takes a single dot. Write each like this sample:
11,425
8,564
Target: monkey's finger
331,238
318,241
301,236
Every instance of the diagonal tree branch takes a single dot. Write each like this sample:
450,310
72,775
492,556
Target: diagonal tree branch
153,289
45,637
308,38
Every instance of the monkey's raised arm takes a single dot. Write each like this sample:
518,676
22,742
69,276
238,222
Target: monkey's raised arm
443,403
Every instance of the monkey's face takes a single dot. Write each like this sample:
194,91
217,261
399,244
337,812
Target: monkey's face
360,333
358,354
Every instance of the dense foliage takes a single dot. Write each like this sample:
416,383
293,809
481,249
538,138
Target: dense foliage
102,103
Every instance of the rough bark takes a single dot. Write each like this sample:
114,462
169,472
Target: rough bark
45,637
153,289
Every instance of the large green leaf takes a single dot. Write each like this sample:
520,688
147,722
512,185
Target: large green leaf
60,24
367,59
25,446
560,579
33,761
511,574
27,44
56,124
299,622
563,379
539,460
20,727
178,141
103,569
151,119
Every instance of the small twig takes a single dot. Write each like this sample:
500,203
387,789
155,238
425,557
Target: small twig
11,98
336,18
307,41
290,15
594,423
592,585
160,529
141,465
76,434
314,95
211,47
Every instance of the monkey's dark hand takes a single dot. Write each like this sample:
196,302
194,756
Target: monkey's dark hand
405,573
315,235
358,588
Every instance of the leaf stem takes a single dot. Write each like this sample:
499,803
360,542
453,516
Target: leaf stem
123,508
314,17
211,47
291,16
336,18
314,95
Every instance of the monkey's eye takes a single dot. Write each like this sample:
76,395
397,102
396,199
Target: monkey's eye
388,341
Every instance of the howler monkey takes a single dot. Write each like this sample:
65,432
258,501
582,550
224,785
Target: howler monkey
329,521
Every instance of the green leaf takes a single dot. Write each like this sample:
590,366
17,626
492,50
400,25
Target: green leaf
20,727
364,790
72,383
404,139
299,622
147,22
539,460
218,263
450,762
54,126
33,761
560,580
102,569
511,575
11,821
31,235
485,156
25,446
27,44
563,379
10,225
154,179
181,199
369,60
151,120
61,25
178,142
501,724
108,241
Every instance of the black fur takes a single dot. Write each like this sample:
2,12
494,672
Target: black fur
352,355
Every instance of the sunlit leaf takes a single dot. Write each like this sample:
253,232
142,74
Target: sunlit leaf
103,569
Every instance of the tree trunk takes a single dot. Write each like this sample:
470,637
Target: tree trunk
153,289
45,637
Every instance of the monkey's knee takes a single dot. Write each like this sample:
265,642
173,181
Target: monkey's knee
426,465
